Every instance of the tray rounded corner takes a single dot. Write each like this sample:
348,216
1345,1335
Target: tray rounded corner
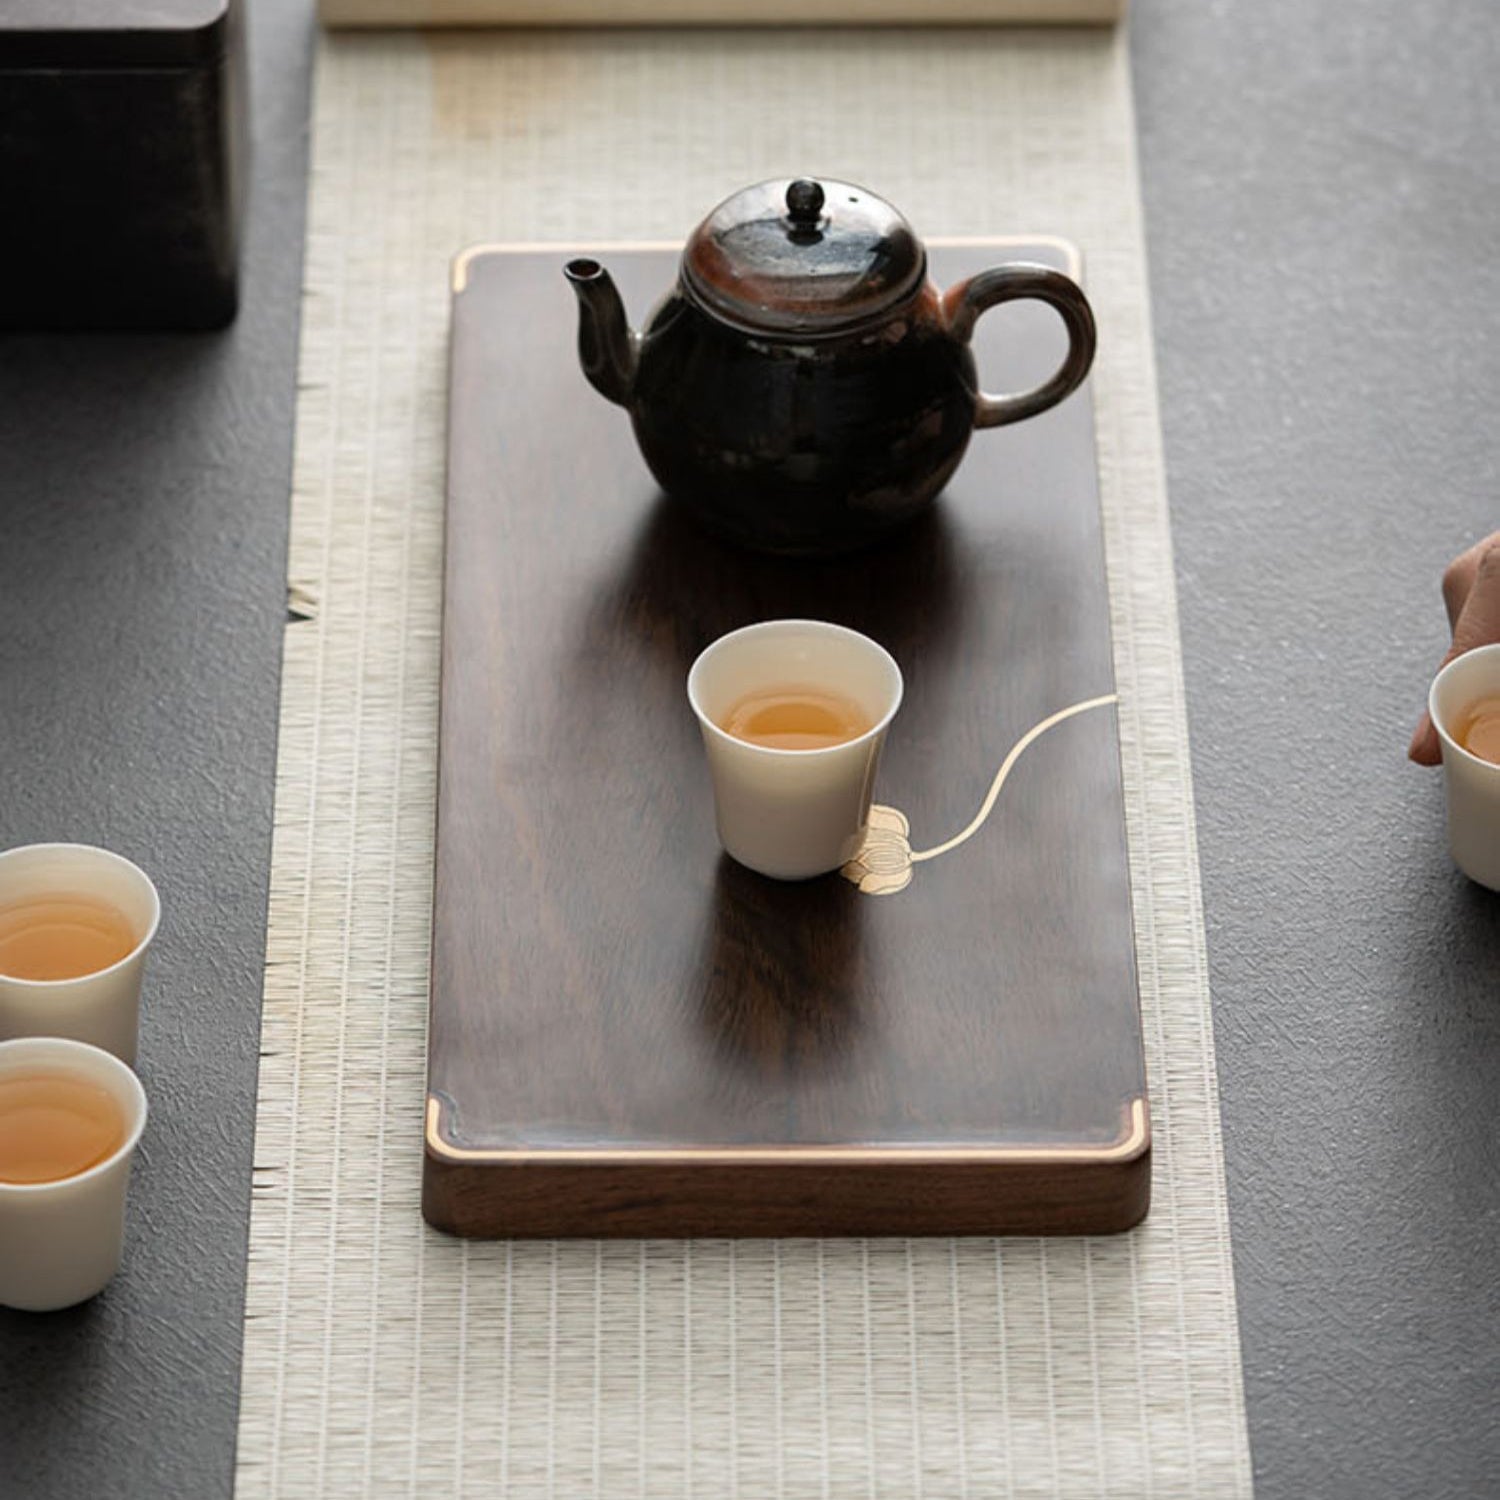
1129,1167
439,1142
458,267
1067,250
1134,1141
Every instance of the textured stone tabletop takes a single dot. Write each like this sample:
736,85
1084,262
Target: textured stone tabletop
1321,207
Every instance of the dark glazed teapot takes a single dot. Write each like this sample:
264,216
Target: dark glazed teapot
804,388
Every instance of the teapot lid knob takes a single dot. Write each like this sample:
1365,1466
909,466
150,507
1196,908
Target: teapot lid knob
804,202
800,256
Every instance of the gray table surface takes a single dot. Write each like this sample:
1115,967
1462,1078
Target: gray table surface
1323,212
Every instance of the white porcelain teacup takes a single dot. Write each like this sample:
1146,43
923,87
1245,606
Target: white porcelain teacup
1472,784
100,1006
61,1238
793,813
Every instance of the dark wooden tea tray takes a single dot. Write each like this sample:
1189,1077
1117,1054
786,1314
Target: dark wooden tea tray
630,1034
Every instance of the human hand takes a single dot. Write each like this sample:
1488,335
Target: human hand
1471,591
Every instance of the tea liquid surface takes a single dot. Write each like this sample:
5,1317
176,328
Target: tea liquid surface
1479,729
61,937
54,1125
796,718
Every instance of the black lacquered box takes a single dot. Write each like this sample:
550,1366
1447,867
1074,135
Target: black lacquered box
122,152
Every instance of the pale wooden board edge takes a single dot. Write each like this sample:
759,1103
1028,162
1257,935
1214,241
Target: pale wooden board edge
337,13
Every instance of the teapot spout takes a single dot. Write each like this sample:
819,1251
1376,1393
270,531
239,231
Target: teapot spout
607,345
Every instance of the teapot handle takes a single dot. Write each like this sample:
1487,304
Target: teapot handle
962,305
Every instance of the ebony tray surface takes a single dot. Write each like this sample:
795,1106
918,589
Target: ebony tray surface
629,1033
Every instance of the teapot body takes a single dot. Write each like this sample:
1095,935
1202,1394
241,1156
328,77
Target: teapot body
796,445
804,388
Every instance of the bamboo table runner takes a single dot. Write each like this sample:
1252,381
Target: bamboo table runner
382,1358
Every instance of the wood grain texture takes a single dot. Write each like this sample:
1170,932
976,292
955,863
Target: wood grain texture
619,1012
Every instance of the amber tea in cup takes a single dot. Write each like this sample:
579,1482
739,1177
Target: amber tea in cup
59,935
796,718
1477,729
55,1125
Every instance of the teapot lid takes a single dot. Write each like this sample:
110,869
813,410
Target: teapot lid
802,256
